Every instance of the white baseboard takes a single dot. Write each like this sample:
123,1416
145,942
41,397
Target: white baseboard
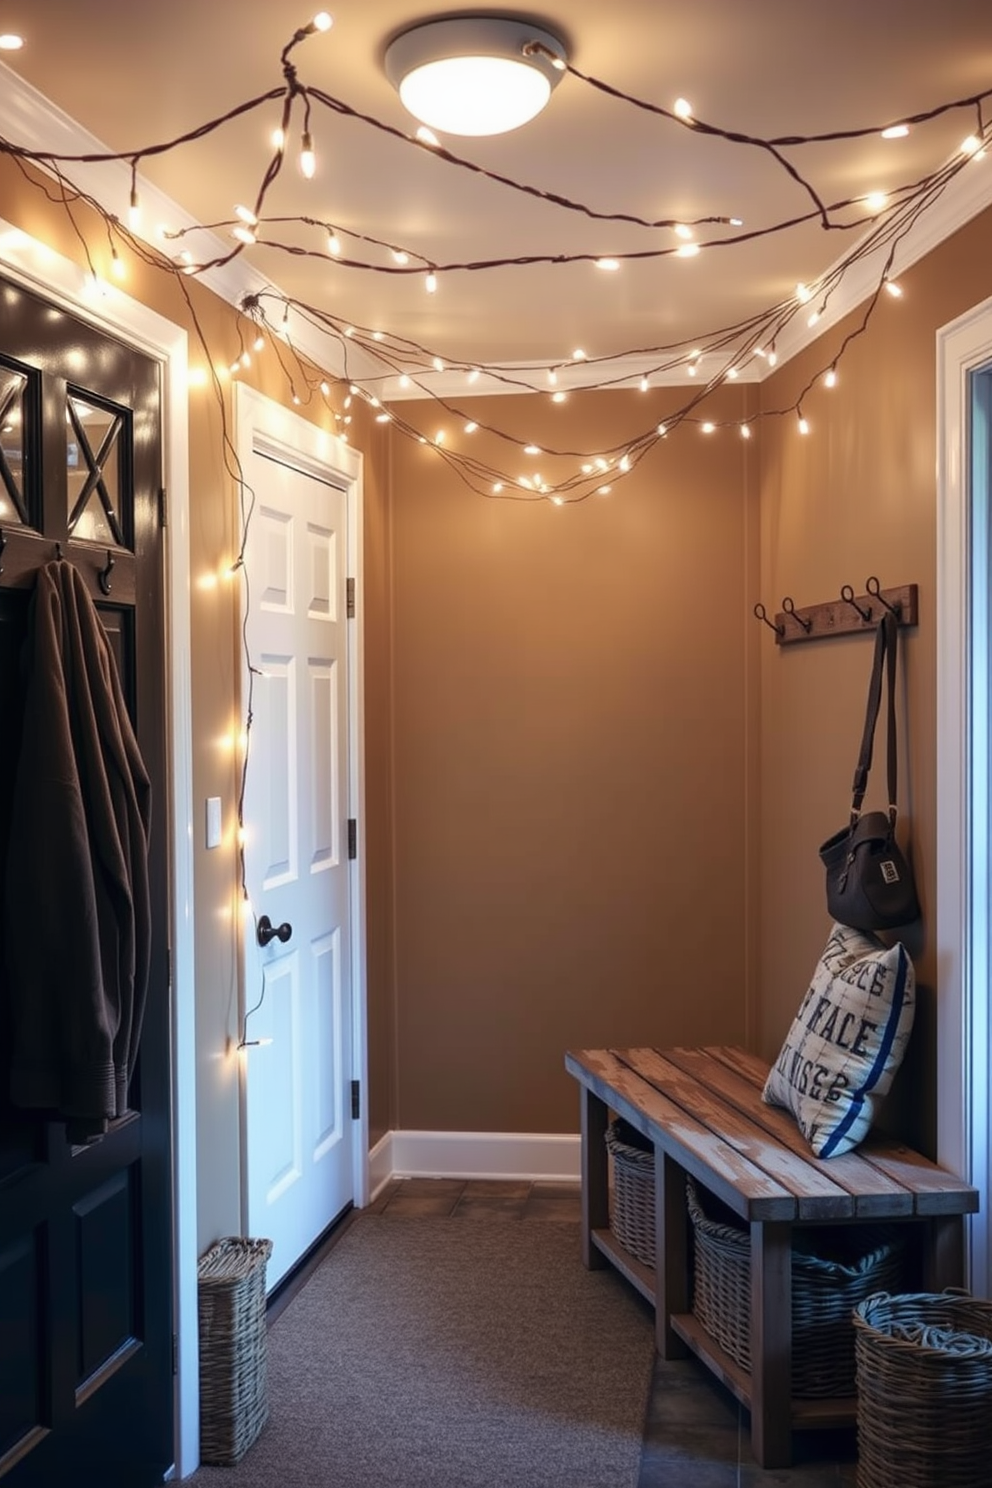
521,1155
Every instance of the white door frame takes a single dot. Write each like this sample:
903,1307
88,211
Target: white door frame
270,429
37,267
964,779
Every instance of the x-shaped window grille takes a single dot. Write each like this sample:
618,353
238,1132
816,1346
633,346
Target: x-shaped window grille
97,463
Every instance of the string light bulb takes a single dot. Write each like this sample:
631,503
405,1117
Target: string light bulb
745,431
682,108
333,244
430,282
610,265
134,210
400,257
802,423
688,250
895,131
117,266
894,289
322,21
308,159
830,377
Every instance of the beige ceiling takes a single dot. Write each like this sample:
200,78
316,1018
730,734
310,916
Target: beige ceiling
136,74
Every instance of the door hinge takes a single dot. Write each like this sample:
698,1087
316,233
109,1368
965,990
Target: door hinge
163,507
356,1100
352,838
350,598
175,1354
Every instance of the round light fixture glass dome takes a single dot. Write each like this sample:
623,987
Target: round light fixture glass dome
475,75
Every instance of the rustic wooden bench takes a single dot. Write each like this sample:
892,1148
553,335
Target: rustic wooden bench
703,1112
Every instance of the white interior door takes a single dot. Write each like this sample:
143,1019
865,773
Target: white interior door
298,1093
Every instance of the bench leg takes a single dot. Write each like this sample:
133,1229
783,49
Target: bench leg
943,1253
671,1276
595,1177
771,1343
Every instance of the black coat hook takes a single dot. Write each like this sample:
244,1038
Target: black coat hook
789,607
104,574
762,614
3,544
875,590
847,595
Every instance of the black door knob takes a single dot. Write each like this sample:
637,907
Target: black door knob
267,931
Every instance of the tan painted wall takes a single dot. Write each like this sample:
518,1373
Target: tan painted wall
570,708
857,497
216,662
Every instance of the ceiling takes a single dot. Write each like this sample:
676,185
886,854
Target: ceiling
138,75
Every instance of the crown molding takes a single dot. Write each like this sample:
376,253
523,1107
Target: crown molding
29,119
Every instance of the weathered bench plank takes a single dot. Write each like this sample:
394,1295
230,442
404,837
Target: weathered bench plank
817,1196
875,1195
934,1190
737,1182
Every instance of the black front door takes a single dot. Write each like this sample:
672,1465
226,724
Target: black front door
86,1232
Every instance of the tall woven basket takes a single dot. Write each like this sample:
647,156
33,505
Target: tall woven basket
832,1270
924,1391
231,1298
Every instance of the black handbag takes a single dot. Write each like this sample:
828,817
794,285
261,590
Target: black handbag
869,881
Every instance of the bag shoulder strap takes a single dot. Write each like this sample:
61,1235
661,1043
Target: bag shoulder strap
886,643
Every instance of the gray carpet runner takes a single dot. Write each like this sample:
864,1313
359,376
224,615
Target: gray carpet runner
435,1353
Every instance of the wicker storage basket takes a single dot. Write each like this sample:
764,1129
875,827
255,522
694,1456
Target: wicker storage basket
924,1391
833,1269
632,1209
231,1303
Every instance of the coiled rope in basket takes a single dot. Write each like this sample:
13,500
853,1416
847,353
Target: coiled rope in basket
924,1371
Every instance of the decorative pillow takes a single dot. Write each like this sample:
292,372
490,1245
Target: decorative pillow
847,1040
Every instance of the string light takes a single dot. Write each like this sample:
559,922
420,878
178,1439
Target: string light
333,244
897,212
830,377
895,290
430,282
745,431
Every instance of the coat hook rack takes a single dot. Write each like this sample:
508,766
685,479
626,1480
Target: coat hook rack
847,615
762,614
104,573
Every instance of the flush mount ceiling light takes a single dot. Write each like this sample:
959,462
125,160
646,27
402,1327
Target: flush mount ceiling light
475,74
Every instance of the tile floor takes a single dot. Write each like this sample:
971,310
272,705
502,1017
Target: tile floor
695,1433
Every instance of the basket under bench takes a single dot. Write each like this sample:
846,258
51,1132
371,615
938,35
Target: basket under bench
702,1111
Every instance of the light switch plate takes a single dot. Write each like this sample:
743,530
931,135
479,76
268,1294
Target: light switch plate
214,821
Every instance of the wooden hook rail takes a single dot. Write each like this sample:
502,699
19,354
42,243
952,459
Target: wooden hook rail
845,615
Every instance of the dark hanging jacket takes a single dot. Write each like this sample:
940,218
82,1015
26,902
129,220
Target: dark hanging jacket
77,909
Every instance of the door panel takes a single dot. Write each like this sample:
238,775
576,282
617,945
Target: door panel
86,1388
297,1118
